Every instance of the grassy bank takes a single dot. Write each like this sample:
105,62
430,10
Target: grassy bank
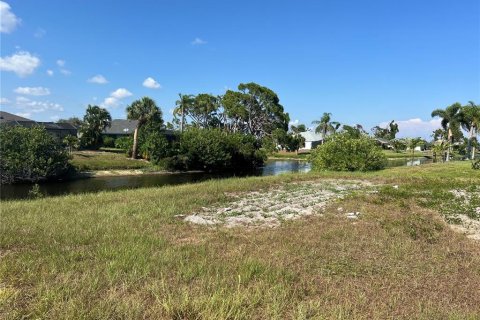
405,154
288,155
100,160
125,255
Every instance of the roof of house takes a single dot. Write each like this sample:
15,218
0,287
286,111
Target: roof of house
6,116
121,126
11,119
311,136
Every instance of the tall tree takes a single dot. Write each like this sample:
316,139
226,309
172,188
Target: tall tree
95,121
325,126
451,120
254,109
143,110
182,106
388,133
470,121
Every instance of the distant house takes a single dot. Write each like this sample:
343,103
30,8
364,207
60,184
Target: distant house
59,130
123,127
384,143
312,139
120,128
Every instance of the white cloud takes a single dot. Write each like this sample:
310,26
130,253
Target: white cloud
33,106
415,127
114,99
8,20
198,41
22,63
33,91
61,63
65,72
110,102
4,101
50,72
121,93
40,33
55,118
98,79
151,83
294,123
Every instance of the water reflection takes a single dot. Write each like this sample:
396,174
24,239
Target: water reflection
272,167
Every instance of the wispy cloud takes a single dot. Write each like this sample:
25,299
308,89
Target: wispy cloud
198,42
33,91
415,127
33,106
115,98
61,63
4,101
151,83
40,33
22,63
50,72
8,20
98,79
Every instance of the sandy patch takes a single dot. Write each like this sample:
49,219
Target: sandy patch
269,208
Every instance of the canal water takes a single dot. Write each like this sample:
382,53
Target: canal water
272,167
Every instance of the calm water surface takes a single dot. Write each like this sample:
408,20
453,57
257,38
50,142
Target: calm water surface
272,167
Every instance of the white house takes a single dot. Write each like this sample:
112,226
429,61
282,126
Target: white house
312,139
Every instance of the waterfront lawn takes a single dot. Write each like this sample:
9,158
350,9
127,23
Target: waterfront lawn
405,154
101,160
125,255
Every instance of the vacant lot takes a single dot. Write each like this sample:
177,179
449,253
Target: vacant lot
131,254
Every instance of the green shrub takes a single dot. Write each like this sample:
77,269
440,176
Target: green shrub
125,143
30,154
214,150
108,142
341,152
154,147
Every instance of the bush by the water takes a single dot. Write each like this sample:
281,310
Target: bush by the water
30,154
154,147
214,149
342,152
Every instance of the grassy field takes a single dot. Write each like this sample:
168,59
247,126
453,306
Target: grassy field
405,154
99,160
125,255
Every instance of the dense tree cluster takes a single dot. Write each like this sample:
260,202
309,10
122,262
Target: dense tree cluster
30,154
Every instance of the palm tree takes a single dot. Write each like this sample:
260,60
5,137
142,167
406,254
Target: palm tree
470,121
324,126
451,119
182,105
142,110
95,121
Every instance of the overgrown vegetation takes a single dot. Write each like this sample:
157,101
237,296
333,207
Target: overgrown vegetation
30,154
342,152
215,150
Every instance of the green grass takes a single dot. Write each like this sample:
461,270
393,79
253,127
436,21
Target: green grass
100,160
405,154
125,255
289,155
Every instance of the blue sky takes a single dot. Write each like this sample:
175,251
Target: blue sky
366,62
